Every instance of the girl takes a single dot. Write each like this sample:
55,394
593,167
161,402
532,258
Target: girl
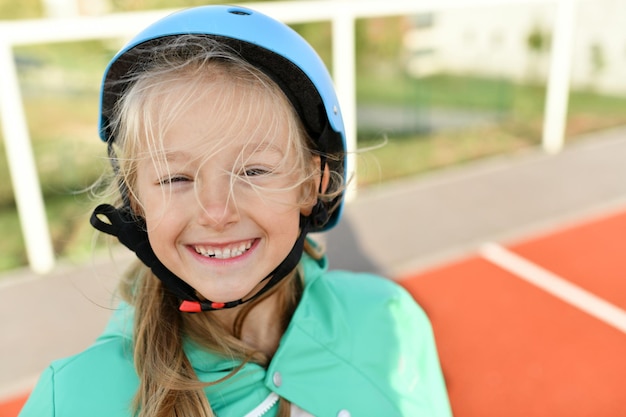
227,145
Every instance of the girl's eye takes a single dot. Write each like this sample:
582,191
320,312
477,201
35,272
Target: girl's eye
172,180
256,172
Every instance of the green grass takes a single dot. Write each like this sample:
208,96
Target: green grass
408,156
23,9
520,109
70,231
440,90
68,153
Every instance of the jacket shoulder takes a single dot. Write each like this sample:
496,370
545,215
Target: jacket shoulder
363,293
378,341
99,381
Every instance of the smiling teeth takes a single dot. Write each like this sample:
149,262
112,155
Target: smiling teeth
226,252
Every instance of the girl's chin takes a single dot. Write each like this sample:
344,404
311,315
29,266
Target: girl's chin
219,295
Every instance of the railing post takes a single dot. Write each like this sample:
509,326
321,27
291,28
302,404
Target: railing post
344,74
557,94
21,162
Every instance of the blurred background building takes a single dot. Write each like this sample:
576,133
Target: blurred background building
514,42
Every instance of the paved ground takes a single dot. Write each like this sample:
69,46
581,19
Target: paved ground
535,327
399,228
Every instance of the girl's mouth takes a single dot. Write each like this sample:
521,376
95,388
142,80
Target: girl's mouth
224,251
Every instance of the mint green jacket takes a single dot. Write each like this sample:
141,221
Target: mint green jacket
357,345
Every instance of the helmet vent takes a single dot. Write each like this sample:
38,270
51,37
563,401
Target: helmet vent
239,12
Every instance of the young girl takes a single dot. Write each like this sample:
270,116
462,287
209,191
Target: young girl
227,147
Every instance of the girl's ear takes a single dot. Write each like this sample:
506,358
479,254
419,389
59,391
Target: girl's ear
321,185
325,180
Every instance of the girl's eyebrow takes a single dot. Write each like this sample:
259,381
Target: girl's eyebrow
172,159
250,148
174,156
264,146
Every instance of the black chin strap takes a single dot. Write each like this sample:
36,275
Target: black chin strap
131,232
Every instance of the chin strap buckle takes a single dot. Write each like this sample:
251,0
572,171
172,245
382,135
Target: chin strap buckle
190,306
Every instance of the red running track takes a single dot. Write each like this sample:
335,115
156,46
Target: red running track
509,348
11,407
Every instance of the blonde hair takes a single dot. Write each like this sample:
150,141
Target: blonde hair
169,78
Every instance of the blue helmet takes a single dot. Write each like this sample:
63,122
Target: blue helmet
269,45
285,57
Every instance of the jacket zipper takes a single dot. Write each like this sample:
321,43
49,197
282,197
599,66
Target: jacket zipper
265,406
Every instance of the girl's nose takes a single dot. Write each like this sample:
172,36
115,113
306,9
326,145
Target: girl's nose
217,206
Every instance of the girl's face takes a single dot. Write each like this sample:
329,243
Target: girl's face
221,209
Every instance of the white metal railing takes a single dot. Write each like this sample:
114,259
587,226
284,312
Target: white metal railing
342,14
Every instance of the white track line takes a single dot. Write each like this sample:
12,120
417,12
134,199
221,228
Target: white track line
555,285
